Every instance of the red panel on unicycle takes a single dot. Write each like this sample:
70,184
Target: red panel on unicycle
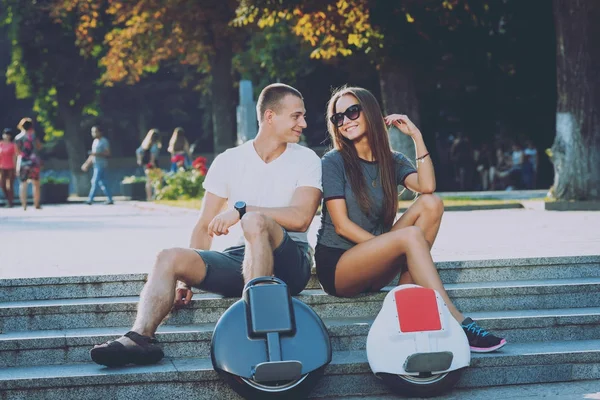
417,310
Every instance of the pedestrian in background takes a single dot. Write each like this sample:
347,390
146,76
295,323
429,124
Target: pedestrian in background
98,157
8,165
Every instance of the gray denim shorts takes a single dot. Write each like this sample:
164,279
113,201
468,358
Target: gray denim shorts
292,264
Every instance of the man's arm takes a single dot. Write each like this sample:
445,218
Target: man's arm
211,206
298,216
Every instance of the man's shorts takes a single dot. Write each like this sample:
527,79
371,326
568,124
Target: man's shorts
292,264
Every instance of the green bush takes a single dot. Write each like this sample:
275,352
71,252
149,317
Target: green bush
180,185
134,179
53,180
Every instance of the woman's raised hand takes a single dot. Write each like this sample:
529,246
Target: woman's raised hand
403,123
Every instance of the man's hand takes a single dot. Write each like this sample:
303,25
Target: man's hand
85,167
183,295
222,222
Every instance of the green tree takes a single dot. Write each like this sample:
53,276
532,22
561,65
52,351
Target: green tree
576,148
144,35
399,36
47,67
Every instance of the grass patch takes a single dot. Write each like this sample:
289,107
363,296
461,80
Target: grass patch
196,203
190,203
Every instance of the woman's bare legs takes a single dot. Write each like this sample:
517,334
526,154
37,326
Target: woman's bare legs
23,193
364,264
426,213
36,193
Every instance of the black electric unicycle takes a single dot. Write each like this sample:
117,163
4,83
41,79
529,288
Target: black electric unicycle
270,345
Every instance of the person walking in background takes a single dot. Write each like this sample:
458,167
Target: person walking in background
98,157
462,157
147,157
8,163
179,148
484,162
29,163
531,165
516,172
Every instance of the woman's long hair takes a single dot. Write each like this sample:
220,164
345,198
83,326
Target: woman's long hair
152,137
178,141
377,136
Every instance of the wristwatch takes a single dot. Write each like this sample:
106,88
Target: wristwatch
240,206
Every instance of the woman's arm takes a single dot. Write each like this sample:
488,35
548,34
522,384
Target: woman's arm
424,180
344,226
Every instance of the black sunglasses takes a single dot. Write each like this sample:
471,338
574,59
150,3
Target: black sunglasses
352,112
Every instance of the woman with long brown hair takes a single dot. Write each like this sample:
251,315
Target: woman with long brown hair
360,246
147,157
179,148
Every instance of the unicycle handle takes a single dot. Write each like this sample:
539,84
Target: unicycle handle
263,279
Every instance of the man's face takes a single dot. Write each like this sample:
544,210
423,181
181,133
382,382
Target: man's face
94,133
289,122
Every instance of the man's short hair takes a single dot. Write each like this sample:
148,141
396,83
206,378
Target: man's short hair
271,96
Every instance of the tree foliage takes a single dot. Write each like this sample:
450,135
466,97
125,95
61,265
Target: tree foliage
144,35
45,67
340,27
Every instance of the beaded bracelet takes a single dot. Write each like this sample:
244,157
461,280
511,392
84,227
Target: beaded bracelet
422,158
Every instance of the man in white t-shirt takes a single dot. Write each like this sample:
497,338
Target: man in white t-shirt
266,192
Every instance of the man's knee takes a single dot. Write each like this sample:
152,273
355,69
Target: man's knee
177,262
432,204
254,224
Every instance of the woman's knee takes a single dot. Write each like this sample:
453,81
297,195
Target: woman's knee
254,224
432,204
410,236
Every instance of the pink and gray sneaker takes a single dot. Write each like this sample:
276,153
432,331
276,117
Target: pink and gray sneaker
480,340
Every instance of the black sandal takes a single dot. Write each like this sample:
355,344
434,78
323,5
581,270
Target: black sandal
115,354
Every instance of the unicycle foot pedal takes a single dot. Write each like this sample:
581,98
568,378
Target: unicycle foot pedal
428,362
273,371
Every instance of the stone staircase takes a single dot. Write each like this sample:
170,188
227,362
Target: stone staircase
547,308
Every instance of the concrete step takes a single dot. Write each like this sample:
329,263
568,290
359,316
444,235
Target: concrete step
576,390
28,348
125,285
347,375
206,307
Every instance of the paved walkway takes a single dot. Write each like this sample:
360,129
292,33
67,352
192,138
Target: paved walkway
77,239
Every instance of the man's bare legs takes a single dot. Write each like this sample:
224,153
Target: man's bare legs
158,295
263,235
156,300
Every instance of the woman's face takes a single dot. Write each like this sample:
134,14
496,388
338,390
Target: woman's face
6,137
351,129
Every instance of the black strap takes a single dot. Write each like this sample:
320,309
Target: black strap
141,340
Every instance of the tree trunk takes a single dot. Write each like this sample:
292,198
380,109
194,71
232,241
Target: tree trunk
76,150
399,95
576,148
223,97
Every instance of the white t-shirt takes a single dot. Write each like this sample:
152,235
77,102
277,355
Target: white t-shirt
239,174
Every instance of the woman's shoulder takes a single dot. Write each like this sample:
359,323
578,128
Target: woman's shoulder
332,155
399,157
